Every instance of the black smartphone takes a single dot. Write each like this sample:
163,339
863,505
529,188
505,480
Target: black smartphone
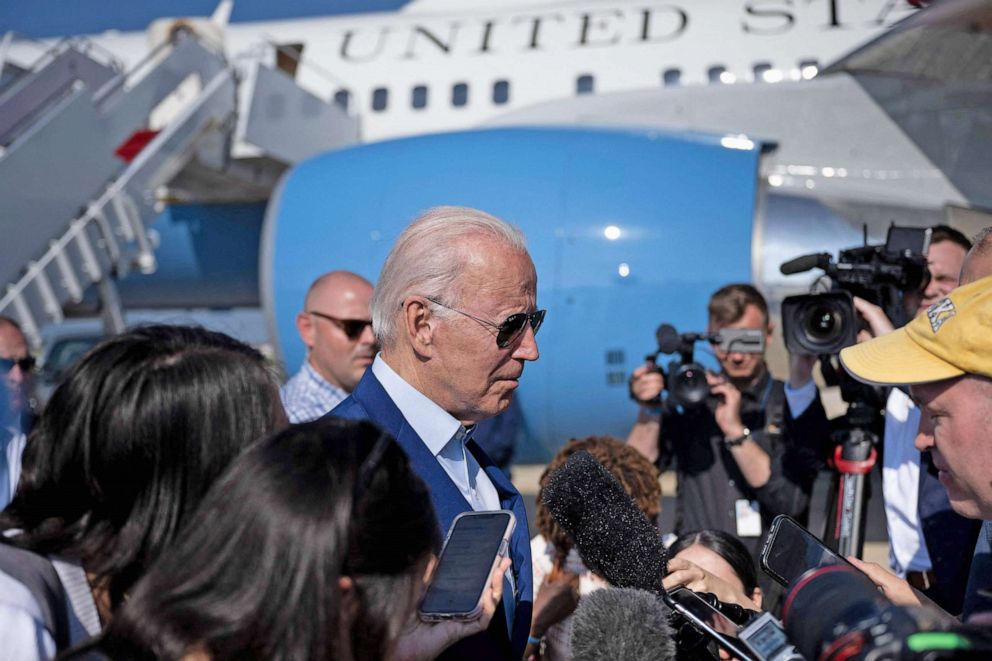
707,620
912,240
791,550
475,544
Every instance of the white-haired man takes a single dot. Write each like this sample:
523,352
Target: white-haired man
455,312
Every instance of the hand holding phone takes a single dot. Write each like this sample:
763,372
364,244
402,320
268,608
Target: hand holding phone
475,545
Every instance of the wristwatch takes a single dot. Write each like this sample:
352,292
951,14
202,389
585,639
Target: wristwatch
734,442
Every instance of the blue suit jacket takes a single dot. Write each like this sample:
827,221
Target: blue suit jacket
369,401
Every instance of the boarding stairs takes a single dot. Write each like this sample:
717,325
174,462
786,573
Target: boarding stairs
87,151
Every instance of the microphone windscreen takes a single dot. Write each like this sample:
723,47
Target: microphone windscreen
668,339
611,534
801,264
622,623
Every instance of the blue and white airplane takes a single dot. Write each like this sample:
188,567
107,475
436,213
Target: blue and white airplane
638,200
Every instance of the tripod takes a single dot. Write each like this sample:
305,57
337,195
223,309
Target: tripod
853,459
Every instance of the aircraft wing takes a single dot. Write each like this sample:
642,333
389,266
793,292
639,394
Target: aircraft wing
949,41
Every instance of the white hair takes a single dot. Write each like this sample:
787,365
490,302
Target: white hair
427,259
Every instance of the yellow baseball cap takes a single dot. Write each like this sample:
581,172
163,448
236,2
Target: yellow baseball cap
953,337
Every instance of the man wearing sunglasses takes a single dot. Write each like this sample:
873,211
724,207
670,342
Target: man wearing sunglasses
16,366
455,310
336,327
754,449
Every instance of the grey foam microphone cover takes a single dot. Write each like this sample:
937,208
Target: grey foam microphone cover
622,623
611,534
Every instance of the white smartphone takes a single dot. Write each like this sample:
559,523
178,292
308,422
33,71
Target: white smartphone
476,542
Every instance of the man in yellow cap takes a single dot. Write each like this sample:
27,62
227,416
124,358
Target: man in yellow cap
945,357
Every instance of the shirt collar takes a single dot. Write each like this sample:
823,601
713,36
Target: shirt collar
433,425
314,375
757,388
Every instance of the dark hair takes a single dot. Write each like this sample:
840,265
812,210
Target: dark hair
728,303
255,575
637,476
727,547
940,233
129,443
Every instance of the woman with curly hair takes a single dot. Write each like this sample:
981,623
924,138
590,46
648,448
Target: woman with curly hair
560,577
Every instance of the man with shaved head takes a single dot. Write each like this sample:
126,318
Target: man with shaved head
336,327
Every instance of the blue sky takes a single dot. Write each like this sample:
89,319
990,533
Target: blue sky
48,18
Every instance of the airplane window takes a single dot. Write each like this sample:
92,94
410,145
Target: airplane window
459,94
760,71
501,92
671,77
380,97
418,96
715,74
584,84
342,99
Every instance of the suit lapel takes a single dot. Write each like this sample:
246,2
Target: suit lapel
448,500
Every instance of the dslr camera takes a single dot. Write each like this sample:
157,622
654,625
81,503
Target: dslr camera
824,323
685,379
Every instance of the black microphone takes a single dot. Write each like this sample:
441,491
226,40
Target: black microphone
612,535
805,263
622,623
668,339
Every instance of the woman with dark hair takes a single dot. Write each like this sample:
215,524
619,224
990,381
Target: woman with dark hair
313,546
121,457
714,561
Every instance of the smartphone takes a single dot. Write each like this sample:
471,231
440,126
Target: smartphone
476,542
791,550
912,240
707,620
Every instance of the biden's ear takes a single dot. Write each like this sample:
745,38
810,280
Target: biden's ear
419,324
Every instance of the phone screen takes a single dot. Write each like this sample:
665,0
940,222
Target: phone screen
708,620
791,551
703,611
915,240
466,561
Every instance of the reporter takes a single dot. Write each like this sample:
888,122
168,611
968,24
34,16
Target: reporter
560,577
716,562
313,546
124,451
944,358
754,449
927,540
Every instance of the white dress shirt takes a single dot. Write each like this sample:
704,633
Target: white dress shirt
901,485
444,436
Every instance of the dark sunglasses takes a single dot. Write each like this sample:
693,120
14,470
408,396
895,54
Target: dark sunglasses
353,328
509,330
7,364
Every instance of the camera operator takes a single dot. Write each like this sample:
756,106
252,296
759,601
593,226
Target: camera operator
945,356
753,451
927,540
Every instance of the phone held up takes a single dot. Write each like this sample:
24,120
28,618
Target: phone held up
791,550
475,544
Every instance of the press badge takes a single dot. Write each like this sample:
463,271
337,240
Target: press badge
748,518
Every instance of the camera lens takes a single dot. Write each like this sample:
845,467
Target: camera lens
689,386
822,323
